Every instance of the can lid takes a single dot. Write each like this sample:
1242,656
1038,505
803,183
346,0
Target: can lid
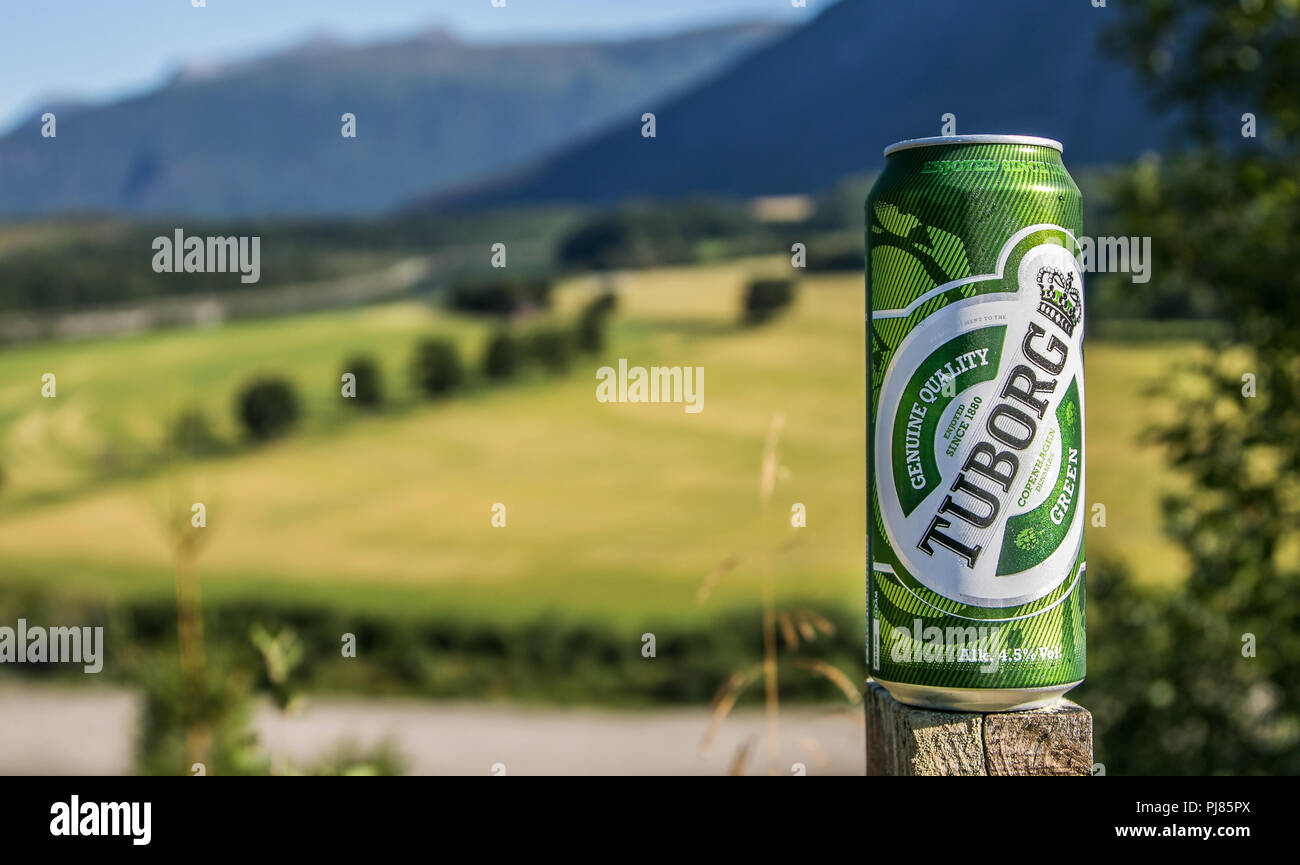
910,143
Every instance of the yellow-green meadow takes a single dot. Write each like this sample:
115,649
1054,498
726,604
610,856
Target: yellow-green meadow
613,511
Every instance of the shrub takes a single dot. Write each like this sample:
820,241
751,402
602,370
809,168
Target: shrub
604,303
765,298
436,367
267,408
604,242
552,347
501,356
217,700
589,335
434,654
369,382
192,435
648,235
502,295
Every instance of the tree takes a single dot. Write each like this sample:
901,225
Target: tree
368,380
267,408
764,298
552,347
500,295
436,367
649,235
501,356
1215,686
589,333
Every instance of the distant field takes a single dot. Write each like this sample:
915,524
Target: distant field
615,512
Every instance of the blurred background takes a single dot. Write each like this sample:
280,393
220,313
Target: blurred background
470,564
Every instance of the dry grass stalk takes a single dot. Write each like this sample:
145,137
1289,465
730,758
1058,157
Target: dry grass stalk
818,621
788,631
766,485
834,675
792,625
187,542
723,702
723,568
741,756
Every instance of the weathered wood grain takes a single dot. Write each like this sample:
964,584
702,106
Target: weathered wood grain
1053,741
905,740
902,740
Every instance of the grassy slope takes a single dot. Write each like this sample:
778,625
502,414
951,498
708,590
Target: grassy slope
616,512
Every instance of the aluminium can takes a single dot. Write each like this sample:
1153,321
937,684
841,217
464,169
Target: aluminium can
975,431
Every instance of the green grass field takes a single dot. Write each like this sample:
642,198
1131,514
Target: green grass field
615,512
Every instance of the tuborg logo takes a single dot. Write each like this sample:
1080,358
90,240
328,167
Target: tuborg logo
982,454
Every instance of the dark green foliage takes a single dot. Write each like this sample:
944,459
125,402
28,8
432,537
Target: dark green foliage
267,408
369,381
173,705
92,269
501,356
436,368
351,760
1186,696
555,658
601,243
1213,60
552,347
98,261
764,298
220,706
501,295
665,233
605,303
589,333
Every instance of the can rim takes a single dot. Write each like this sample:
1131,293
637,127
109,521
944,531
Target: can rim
910,143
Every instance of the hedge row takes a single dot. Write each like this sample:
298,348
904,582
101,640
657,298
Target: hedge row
553,658
269,407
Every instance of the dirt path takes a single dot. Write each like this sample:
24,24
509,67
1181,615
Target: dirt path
54,731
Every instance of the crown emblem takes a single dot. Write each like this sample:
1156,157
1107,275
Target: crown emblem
1061,303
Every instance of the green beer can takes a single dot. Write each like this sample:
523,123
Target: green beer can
975,444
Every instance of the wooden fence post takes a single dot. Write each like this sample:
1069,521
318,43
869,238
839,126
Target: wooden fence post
904,740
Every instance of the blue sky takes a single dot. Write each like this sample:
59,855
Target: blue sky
99,50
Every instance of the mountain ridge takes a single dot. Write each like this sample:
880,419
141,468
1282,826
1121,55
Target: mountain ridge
261,136
803,111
